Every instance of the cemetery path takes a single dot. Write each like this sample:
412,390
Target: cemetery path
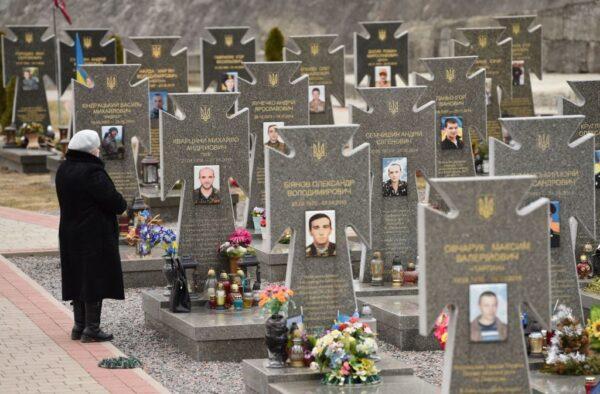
37,354
26,231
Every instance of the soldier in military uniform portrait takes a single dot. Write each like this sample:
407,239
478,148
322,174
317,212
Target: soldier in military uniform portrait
112,143
158,102
229,82
394,178
451,133
271,136
316,102
206,189
320,237
30,79
382,76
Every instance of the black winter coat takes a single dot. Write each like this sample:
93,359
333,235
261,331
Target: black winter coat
88,232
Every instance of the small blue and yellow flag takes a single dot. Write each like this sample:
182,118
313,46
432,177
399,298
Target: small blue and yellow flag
80,73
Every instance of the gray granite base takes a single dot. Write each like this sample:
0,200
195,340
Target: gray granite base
26,161
52,164
260,379
543,383
389,385
398,321
207,335
142,271
366,290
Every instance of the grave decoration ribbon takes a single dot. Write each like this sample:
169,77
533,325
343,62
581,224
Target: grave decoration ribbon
62,6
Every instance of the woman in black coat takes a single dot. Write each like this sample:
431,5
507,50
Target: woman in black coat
88,235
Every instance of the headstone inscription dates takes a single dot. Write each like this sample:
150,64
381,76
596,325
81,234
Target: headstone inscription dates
273,100
460,111
28,57
484,259
97,48
223,58
319,190
381,55
588,93
495,57
325,69
205,149
526,59
402,144
167,72
565,175
118,110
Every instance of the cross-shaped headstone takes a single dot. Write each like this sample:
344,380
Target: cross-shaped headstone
166,70
381,51
565,175
118,111
589,92
225,55
96,48
526,59
459,109
495,57
273,100
205,149
402,142
325,69
24,47
318,191
484,259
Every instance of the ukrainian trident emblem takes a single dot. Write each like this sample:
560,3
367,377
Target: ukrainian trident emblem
228,40
29,38
87,42
318,150
543,142
314,49
273,79
516,28
111,82
486,207
156,51
205,113
482,41
393,107
382,34
450,75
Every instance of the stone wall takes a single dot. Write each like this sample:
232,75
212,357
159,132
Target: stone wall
571,28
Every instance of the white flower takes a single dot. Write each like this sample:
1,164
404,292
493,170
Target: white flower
314,366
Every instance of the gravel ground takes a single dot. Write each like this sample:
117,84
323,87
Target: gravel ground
175,370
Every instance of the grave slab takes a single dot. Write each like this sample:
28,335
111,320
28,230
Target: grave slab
25,161
390,385
543,383
207,335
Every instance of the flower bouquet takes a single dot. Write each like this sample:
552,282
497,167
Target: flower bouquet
345,352
440,331
146,232
236,246
274,300
32,131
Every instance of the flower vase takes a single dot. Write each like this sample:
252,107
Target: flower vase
256,222
234,264
276,340
33,141
169,272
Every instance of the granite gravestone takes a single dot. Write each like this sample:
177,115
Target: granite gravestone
402,143
30,102
205,148
381,54
118,110
167,72
565,173
526,59
459,108
495,57
273,100
223,58
96,48
589,96
317,191
488,251
325,69
24,48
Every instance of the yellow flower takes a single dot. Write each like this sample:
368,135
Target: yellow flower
596,329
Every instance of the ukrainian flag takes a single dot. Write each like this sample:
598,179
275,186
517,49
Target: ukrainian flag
80,74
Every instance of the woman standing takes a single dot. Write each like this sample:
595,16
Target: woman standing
88,235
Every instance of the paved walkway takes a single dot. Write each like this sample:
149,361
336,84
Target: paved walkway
36,352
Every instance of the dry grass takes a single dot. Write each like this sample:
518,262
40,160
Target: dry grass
31,192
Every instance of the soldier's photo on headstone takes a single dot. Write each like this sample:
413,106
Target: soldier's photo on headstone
158,102
206,185
31,78
316,99
271,136
488,91
554,224
320,233
383,76
451,129
395,176
112,146
229,82
488,312
518,72
597,168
